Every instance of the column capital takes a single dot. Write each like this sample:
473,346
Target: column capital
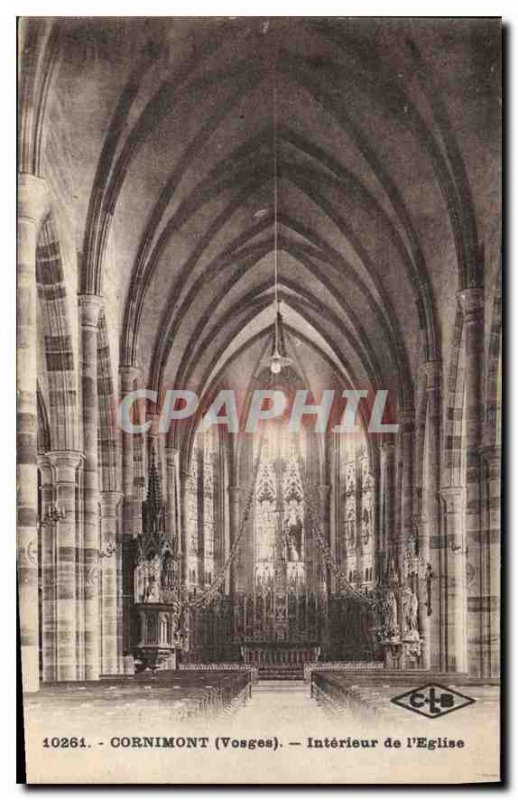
471,301
453,497
45,466
90,306
388,446
109,500
406,419
33,201
154,418
433,372
65,464
492,454
324,489
128,375
70,458
172,455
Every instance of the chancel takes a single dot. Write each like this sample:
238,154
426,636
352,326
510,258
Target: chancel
302,215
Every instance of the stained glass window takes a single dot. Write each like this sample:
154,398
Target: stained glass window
266,512
279,508
200,508
357,545
209,456
192,516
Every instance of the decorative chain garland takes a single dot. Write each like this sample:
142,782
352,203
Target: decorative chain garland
209,594
344,586
329,559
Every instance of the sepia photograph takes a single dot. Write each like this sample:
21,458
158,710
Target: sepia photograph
259,400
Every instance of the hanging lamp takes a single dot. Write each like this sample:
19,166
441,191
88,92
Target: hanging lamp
278,358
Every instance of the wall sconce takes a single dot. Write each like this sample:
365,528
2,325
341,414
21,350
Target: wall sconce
110,551
53,514
429,577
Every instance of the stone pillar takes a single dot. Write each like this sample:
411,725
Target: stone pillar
109,599
387,493
245,575
376,512
226,530
172,455
234,493
184,478
453,579
422,532
65,464
358,504
472,304
331,471
430,527
406,421
90,307
173,496
492,459
48,573
128,377
198,454
32,207
322,521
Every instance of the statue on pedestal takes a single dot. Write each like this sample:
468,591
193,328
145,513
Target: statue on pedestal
392,623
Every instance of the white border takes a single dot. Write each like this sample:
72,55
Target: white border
9,10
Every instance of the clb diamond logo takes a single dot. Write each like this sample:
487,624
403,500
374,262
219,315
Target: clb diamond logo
432,700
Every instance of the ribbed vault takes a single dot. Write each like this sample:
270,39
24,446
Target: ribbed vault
376,143
181,181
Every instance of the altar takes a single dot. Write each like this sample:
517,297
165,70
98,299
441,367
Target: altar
275,655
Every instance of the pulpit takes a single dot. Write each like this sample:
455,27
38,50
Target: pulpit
156,593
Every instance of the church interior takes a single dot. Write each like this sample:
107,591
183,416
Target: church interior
246,203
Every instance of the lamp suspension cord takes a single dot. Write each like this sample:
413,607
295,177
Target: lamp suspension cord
275,220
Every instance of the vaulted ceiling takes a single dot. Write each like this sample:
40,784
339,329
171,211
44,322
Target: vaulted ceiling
160,133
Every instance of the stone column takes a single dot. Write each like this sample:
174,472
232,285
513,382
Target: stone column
90,307
472,304
323,497
430,527
331,474
173,496
492,459
128,377
245,575
453,578
387,493
234,493
48,573
421,527
198,454
358,504
32,207
172,455
184,478
108,561
226,530
406,421
65,464
376,510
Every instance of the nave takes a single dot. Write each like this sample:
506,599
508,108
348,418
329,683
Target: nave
298,206
155,727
